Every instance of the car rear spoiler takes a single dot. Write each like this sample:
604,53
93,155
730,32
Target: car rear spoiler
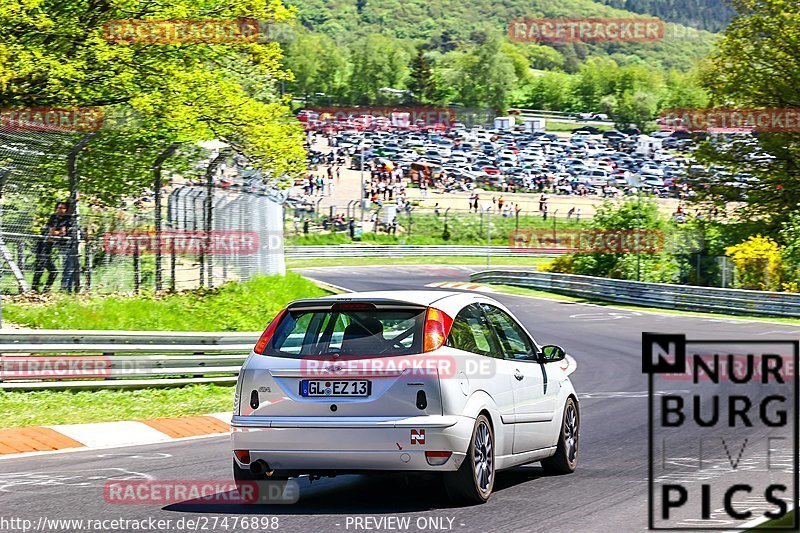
327,304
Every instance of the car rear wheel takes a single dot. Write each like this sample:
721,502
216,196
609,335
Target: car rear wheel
474,480
565,460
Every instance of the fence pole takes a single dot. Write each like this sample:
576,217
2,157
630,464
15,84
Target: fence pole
209,214
157,185
87,261
488,235
3,177
73,284
172,263
136,264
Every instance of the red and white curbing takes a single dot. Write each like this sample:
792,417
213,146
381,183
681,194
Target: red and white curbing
15,442
463,285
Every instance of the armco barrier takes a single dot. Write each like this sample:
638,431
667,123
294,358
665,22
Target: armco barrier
120,359
399,250
662,295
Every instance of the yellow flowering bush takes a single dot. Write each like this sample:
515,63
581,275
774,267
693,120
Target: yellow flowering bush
758,263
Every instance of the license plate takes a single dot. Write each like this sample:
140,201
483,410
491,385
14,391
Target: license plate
329,387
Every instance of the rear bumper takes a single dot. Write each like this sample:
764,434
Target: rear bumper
355,443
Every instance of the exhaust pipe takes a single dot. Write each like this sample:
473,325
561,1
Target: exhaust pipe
260,467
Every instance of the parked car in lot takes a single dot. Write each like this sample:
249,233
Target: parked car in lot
415,382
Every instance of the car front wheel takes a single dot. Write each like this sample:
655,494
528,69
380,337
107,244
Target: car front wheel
565,460
474,480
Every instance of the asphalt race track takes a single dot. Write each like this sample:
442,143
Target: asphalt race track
607,493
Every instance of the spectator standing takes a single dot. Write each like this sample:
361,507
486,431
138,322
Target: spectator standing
56,228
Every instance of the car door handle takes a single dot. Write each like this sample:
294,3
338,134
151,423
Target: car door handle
518,375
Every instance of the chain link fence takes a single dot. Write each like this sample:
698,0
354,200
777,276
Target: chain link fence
203,216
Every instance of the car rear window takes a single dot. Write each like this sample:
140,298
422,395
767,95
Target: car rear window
373,332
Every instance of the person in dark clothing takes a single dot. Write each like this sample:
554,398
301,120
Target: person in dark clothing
57,226
352,227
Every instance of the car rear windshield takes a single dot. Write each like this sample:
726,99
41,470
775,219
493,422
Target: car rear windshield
373,332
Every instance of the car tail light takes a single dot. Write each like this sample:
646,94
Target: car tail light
437,327
243,456
437,458
268,333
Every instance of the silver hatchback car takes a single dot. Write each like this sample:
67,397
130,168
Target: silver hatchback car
404,381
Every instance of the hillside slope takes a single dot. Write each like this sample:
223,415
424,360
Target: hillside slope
444,24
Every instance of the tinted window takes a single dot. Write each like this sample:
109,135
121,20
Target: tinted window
516,343
471,332
372,333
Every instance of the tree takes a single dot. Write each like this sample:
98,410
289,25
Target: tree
637,108
483,75
56,56
757,65
318,65
377,61
422,84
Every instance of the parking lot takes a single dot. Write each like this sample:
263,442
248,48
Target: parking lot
460,159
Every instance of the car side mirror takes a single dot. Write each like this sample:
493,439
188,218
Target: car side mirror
552,353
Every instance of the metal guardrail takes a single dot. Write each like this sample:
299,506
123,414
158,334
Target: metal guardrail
661,295
399,250
55,359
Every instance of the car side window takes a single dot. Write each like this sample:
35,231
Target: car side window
472,332
516,343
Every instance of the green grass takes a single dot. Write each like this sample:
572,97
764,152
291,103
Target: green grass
784,522
60,407
234,306
521,261
523,291
463,228
556,126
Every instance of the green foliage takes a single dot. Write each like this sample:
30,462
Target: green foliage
756,65
234,306
468,60
632,215
711,15
151,94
